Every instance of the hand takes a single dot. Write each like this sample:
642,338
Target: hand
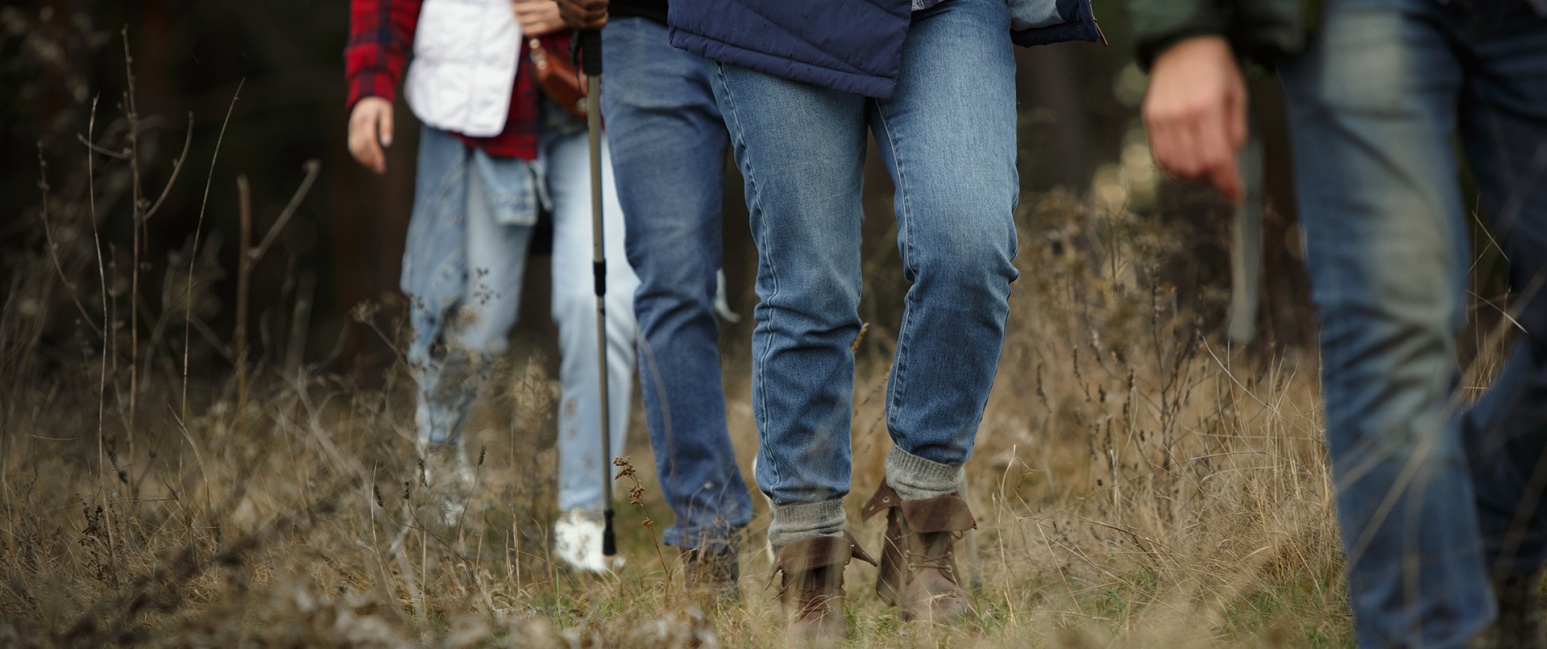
584,14
537,17
370,130
1195,111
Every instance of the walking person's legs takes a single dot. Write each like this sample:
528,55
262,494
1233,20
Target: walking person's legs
581,467
800,149
1503,121
462,271
948,139
668,146
801,153
1372,108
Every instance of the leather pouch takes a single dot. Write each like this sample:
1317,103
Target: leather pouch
559,79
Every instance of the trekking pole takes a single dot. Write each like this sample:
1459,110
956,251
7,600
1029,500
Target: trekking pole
1246,244
591,65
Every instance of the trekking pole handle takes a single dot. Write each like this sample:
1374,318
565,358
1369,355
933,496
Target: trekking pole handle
591,52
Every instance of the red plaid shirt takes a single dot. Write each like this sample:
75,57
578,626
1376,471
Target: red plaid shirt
380,36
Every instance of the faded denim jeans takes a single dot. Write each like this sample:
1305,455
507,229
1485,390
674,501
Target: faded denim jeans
668,150
1431,497
463,267
947,137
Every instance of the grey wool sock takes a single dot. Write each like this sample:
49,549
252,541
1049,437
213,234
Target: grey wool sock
802,521
916,478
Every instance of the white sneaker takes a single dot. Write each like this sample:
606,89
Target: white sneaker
577,539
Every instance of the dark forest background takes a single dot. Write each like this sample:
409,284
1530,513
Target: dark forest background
341,249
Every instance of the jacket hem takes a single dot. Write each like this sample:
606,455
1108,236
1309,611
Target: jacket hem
842,81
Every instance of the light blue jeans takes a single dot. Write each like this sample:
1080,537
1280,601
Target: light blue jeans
668,150
1425,510
463,265
947,137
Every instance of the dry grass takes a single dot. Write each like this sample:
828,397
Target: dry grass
1137,483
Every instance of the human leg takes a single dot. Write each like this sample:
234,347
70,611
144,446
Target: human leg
1504,133
947,136
800,149
801,153
462,273
581,465
1372,107
668,143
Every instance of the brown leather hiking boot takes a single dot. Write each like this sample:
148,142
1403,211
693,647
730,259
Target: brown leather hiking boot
918,554
812,590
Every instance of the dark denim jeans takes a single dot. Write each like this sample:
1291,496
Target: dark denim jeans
668,151
947,136
1429,498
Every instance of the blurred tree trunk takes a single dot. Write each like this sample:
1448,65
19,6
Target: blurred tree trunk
1069,121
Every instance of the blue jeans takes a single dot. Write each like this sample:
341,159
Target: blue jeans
1425,510
668,150
947,137
463,267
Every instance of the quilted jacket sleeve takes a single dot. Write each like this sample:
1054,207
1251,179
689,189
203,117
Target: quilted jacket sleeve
1263,30
1158,24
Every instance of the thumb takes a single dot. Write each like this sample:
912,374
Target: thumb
386,126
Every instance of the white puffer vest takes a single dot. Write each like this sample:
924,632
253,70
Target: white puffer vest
464,65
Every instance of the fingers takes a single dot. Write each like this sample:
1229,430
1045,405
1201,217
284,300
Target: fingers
1217,166
583,14
1196,145
386,127
538,17
370,128
1195,110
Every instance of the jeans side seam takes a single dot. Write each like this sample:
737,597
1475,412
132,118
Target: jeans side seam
755,205
899,380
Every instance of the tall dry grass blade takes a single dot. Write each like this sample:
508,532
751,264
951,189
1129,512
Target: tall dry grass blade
107,327
198,228
243,288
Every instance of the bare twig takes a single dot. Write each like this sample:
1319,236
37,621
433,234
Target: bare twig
53,248
177,167
312,168
116,155
138,228
636,497
193,254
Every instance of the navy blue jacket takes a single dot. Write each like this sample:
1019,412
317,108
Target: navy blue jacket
847,45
